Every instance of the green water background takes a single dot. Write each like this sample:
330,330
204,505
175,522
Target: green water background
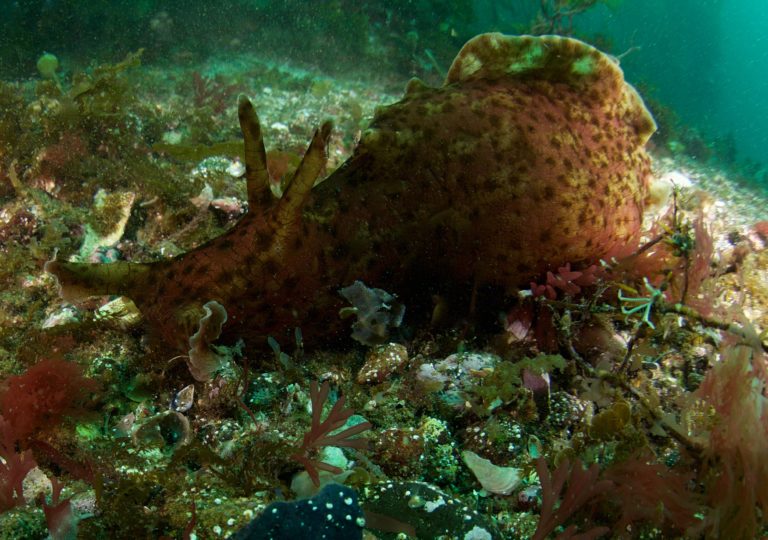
706,59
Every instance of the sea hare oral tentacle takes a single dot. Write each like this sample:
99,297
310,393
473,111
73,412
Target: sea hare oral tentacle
256,173
530,156
297,191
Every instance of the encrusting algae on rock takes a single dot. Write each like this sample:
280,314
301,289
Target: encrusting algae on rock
529,156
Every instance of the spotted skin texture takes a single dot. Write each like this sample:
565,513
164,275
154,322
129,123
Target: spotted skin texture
530,155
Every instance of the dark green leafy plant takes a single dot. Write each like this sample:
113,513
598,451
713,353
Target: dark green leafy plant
505,384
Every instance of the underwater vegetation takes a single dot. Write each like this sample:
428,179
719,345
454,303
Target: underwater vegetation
556,16
410,38
401,34
492,320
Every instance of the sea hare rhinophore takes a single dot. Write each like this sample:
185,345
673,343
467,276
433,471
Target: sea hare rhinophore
529,156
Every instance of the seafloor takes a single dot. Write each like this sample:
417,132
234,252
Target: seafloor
144,159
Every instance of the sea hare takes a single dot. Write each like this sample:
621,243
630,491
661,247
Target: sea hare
529,156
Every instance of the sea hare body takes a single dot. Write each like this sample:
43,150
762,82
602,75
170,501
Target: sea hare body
530,155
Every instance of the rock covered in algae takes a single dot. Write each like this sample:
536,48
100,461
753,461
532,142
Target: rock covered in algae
529,156
422,511
332,513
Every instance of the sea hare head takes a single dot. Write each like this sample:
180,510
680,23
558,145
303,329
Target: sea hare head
531,155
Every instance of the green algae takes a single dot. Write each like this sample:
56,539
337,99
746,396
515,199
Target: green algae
198,152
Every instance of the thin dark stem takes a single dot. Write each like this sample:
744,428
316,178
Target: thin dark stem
240,400
624,367
617,380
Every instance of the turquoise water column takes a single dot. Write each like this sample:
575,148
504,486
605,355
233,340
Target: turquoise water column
742,72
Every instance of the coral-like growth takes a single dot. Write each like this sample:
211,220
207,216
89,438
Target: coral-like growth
13,469
42,396
652,493
212,92
30,403
570,282
583,487
320,435
59,515
737,480
679,256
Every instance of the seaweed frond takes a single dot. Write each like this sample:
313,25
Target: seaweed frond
319,434
583,486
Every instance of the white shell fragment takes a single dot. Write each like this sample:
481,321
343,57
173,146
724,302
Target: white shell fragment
494,479
236,169
183,401
121,310
118,207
